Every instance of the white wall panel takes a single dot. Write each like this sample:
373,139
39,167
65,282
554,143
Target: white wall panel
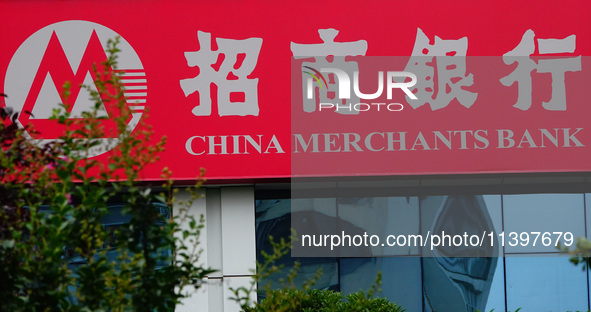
238,231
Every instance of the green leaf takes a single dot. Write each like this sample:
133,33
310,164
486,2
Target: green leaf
8,243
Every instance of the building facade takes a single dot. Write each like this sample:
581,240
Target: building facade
477,124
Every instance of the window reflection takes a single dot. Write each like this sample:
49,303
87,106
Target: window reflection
401,278
545,284
543,213
273,218
440,283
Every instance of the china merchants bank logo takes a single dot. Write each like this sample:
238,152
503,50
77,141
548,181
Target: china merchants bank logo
66,51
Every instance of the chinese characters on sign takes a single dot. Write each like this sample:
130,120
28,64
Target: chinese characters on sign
230,80
325,55
444,61
440,68
557,67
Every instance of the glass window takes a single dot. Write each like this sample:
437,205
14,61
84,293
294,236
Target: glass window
437,282
401,278
383,216
588,215
541,213
545,284
273,218
496,297
457,284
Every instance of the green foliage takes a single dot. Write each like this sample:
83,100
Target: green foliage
581,254
56,255
314,300
291,298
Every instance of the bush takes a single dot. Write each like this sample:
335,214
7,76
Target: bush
314,300
55,252
291,298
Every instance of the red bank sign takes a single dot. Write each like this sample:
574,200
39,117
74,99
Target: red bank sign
260,89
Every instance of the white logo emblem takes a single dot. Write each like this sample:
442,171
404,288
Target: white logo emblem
66,51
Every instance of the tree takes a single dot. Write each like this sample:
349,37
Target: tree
290,297
581,254
56,252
